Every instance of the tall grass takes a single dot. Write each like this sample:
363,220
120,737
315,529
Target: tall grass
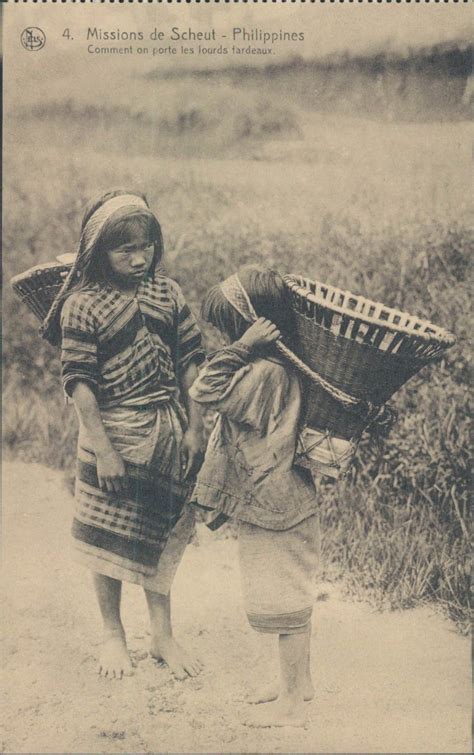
377,210
400,524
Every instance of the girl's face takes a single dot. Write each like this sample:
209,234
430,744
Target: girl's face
130,262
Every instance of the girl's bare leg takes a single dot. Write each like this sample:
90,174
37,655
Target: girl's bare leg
114,661
163,645
272,691
288,709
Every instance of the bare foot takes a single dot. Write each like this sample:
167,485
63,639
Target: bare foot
278,713
272,691
114,661
179,662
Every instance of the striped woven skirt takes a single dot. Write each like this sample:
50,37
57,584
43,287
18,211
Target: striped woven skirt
124,535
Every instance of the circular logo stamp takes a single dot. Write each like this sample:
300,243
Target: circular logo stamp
33,38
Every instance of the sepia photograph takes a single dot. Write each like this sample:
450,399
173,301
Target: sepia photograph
237,254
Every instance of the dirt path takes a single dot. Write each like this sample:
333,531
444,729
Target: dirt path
385,682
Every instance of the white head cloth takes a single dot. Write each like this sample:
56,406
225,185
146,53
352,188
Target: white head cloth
97,220
50,327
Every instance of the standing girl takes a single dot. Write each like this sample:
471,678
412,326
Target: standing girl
130,350
249,474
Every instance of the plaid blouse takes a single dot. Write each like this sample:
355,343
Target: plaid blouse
129,351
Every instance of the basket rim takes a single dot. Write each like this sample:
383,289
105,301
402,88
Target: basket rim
437,334
51,265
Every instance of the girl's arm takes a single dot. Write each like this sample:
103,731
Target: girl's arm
111,471
81,377
193,440
189,353
223,386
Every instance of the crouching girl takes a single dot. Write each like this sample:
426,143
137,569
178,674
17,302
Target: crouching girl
130,349
248,474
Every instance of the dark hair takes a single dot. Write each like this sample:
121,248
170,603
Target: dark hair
92,263
269,296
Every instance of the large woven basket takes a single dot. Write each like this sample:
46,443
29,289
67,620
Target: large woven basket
361,347
357,345
39,286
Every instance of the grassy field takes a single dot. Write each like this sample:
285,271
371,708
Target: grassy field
376,208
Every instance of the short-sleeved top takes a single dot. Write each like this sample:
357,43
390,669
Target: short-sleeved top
130,351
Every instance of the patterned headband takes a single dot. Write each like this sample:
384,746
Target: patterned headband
236,295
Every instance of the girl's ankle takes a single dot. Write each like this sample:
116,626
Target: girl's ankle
291,697
113,631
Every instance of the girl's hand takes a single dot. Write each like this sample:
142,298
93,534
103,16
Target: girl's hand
262,332
192,451
111,471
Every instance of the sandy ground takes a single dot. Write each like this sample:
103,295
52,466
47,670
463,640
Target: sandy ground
393,682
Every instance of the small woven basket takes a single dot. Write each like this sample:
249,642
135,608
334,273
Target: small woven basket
39,286
361,347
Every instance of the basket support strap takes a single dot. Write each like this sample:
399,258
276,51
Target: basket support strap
236,294
341,396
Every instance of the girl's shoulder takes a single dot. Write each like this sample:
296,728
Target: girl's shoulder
168,287
81,303
272,370
162,279
270,388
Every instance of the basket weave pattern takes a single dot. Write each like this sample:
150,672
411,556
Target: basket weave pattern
360,346
39,286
